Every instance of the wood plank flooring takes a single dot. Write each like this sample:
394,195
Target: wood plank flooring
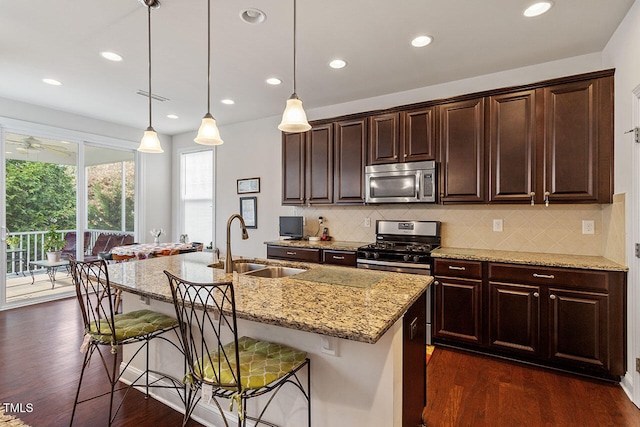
40,364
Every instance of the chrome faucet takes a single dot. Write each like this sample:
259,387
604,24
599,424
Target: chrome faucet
228,260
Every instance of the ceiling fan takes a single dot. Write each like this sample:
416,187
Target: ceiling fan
31,145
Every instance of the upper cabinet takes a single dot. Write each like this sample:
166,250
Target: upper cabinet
404,136
462,164
350,160
293,168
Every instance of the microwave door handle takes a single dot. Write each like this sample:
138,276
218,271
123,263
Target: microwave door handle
418,179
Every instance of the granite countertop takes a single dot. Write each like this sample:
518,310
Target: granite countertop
331,244
530,258
353,304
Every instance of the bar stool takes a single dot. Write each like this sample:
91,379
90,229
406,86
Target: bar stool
103,329
238,370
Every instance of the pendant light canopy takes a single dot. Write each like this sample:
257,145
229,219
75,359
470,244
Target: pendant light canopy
294,119
208,134
150,142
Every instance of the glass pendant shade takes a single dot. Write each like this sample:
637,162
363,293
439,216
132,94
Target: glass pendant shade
294,119
208,134
150,142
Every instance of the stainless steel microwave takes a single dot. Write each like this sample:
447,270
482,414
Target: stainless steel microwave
413,182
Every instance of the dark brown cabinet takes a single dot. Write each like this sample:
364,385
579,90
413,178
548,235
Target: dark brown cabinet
578,132
350,159
405,136
512,147
289,253
458,301
293,168
339,257
462,158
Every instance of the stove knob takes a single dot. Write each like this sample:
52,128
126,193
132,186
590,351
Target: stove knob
416,258
376,255
405,257
367,255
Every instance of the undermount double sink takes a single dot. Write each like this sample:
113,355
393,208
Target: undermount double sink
264,270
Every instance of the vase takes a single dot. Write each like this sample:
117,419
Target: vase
156,241
53,256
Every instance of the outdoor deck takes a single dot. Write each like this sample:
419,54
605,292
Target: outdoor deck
19,287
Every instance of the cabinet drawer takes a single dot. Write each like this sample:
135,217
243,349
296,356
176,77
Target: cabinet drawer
293,254
566,277
458,268
347,258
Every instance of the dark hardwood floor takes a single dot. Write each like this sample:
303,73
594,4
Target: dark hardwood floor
465,389
40,364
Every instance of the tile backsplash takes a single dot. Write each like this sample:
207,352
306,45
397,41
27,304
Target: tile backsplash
553,229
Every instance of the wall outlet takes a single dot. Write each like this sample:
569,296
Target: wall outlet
367,222
497,225
588,226
321,220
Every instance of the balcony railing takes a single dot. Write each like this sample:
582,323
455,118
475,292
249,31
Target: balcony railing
31,248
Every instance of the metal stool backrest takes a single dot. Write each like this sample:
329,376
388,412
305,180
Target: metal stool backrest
94,293
207,317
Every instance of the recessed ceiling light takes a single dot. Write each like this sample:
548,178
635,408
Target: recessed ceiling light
172,116
253,16
537,9
228,101
337,63
52,82
111,56
421,41
274,81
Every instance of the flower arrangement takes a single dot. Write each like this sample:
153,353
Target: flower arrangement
156,233
53,240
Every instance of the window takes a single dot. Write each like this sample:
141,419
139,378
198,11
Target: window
196,195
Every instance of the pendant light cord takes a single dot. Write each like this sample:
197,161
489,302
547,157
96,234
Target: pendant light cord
294,47
208,56
149,34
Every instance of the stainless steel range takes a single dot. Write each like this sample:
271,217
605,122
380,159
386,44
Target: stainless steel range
403,247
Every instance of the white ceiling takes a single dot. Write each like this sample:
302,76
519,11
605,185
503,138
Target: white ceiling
62,39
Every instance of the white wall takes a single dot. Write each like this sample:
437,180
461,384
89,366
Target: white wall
623,53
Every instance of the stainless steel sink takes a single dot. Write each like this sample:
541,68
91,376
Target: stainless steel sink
274,272
245,267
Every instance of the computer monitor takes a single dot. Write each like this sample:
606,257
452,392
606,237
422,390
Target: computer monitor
292,227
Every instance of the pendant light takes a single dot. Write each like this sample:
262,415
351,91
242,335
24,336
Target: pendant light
294,119
150,142
208,134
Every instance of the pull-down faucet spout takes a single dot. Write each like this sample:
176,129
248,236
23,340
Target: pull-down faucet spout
228,260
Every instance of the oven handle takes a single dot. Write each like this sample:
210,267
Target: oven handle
394,264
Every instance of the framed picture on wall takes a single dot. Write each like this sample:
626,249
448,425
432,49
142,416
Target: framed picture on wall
249,211
248,185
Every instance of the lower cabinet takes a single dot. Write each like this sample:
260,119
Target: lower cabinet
570,319
339,257
315,255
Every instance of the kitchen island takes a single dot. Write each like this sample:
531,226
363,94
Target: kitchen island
362,330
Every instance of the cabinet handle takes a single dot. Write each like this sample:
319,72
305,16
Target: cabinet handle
536,294
455,267
552,296
533,198
546,198
291,253
395,157
436,283
544,276
406,155
337,257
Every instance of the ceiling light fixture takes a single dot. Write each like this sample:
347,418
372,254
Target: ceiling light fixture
274,81
172,116
111,56
52,82
294,119
208,134
421,41
537,9
337,64
228,101
150,142
253,16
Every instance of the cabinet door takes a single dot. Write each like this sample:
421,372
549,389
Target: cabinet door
579,325
350,158
514,314
290,253
384,138
462,151
512,146
319,176
419,137
293,168
458,310
571,114
339,257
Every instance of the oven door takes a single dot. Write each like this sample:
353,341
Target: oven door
393,187
396,267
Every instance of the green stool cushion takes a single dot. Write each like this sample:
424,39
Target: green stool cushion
133,324
261,363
